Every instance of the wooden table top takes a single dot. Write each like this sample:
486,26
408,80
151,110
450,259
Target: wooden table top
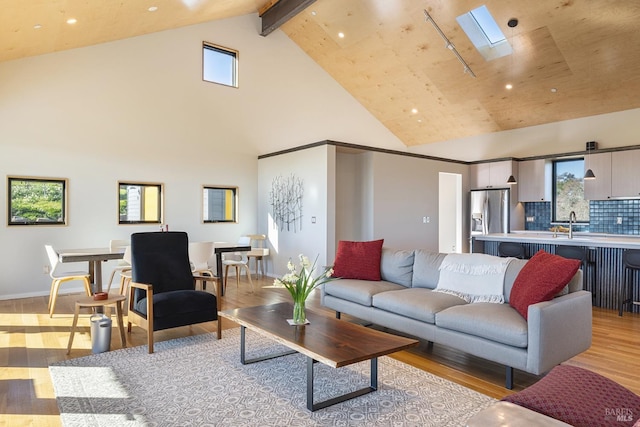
89,254
328,340
90,302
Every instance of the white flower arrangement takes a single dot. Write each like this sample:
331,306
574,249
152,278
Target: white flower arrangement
301,282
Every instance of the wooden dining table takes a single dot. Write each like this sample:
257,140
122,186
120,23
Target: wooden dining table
95,257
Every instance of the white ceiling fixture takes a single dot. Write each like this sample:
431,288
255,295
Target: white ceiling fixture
449,45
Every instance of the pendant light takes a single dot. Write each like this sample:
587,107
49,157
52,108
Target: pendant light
590,145
589,173
512,23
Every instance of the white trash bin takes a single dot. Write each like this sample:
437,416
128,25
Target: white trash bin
100,333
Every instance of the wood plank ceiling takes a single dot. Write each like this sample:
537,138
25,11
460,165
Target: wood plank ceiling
392,61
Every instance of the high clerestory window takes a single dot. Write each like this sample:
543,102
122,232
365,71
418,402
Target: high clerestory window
219,65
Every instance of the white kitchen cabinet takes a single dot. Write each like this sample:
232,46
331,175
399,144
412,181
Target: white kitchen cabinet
493,174
600,187
625,179
534,181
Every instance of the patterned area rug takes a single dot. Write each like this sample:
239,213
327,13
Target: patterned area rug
199,381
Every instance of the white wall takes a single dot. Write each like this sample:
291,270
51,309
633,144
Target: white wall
351,197
312,239
609,130
405,190
137,109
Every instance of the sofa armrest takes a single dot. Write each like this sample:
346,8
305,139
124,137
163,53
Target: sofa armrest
558,330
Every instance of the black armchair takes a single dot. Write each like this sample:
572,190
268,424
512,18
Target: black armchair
162,294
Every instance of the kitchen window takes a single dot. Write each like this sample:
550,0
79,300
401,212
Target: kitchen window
568,191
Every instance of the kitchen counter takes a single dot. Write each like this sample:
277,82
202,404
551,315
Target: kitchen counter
603,267
595,240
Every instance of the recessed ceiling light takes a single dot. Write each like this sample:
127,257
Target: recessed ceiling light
152,8
554,90
71,21
414,111
314,13
37,27
508,86
341,35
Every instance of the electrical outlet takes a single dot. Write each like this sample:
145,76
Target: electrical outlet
45,269
426,219
531,219
619,220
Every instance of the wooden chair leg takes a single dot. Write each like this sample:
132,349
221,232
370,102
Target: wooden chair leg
249,277
53,297
150,338
226,275
87,286
237,276
119,305
73,327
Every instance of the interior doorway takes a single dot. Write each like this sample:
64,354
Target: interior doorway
450,212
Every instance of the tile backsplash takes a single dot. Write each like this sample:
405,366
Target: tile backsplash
605,216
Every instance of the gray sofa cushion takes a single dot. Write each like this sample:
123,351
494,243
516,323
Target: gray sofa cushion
359,291
396,266
426,269
416,303
496,322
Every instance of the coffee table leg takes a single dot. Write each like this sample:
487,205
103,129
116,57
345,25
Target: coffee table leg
246,361
373,386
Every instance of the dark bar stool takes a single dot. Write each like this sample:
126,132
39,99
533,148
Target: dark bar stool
579,253
631,262
511,249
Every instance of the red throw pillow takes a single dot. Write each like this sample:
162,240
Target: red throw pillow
541,278
358,260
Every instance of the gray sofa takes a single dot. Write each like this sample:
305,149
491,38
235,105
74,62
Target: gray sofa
405,301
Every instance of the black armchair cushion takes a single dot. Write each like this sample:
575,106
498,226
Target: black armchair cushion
161,259
179,308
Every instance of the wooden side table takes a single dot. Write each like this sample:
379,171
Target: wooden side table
117,300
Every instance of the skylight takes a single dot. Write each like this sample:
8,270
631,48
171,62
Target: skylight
484,33
488,25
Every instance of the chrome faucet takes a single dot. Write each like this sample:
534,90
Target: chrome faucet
572,220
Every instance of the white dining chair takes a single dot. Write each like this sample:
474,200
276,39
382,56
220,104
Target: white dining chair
199,255
239,261
58,277
123,265
258,252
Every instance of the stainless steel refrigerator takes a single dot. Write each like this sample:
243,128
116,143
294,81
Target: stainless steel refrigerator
489,211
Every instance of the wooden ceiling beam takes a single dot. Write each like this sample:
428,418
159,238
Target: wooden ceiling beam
281,12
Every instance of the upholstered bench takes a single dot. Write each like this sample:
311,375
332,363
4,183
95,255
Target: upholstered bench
569,394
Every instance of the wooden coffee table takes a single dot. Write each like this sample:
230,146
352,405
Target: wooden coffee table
334,342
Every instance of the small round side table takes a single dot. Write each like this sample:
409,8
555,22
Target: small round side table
117,300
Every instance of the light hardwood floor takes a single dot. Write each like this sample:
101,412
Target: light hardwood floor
30,341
